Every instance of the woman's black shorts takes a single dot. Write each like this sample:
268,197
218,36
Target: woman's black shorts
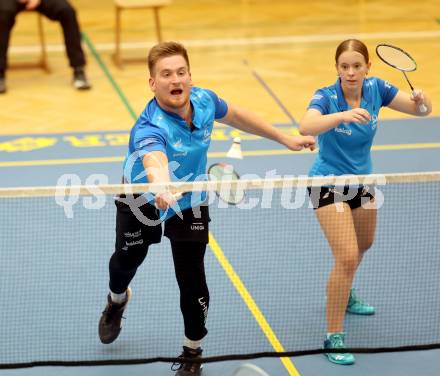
355,197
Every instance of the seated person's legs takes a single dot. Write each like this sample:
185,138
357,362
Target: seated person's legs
63,12
8,12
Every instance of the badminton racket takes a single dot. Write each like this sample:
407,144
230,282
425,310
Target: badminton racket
222,172
401,60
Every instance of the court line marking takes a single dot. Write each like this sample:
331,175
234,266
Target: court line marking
215,154
271,93
228,42
109,76
55,162
216,42
213,243
250,303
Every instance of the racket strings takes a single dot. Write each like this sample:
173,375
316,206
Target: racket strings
228,193
396,57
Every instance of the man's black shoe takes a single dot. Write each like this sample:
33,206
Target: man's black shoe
187,367
110,324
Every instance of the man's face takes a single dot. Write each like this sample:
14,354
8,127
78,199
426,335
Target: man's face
171,82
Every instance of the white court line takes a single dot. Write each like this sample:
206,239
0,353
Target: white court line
288,39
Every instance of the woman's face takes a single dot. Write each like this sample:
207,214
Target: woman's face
352,69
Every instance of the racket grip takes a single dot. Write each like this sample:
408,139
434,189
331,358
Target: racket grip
179,195
422,108
176,196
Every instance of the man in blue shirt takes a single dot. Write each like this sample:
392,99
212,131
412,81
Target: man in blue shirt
169,142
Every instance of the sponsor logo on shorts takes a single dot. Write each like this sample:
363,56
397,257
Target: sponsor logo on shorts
136,242
135,234
197,226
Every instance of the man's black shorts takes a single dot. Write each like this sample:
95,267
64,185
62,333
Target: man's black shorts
132,218
355,197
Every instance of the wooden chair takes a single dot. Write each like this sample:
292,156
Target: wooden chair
121,5
42,62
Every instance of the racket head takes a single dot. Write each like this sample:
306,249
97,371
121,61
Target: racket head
249,369
396,57
225,172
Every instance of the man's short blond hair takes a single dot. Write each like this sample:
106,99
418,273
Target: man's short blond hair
165,49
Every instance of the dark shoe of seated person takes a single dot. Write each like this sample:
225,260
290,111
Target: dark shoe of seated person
80,81
2,85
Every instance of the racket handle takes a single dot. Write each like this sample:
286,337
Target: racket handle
178,195
422,108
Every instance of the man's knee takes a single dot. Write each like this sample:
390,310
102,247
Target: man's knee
127,261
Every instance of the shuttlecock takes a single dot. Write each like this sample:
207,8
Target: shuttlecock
235,149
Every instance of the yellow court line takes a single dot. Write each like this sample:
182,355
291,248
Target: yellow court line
429,145
67,161
250,302
250,153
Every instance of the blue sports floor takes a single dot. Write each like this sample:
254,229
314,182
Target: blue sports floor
400,146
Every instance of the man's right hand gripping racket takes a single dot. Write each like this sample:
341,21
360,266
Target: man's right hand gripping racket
230,190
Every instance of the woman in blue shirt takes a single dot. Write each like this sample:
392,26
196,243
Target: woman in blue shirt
344,116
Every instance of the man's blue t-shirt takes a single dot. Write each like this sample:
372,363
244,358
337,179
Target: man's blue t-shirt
186,149
345,149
